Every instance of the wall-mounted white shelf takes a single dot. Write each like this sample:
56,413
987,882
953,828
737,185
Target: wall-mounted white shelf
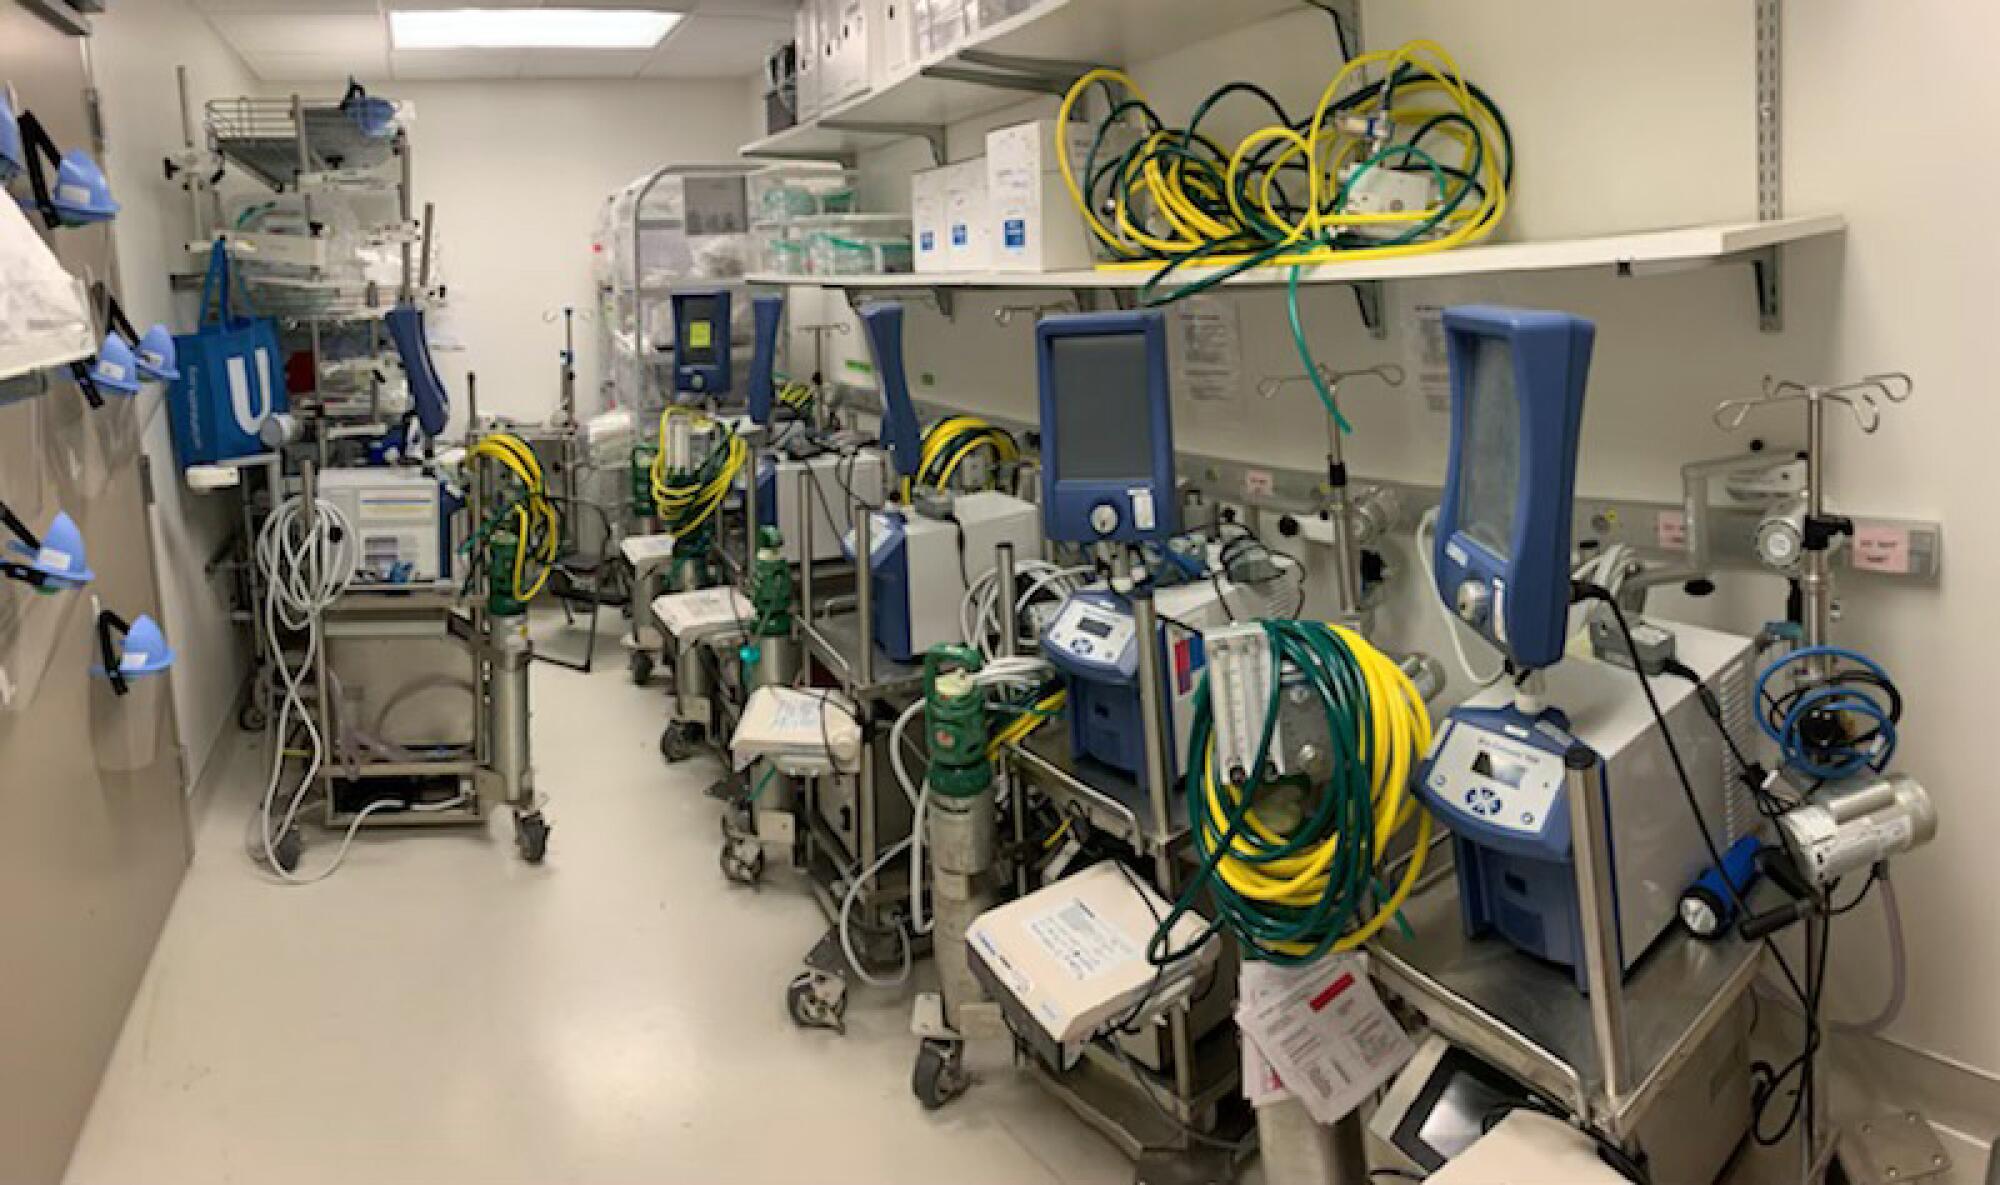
1035,50
1637,253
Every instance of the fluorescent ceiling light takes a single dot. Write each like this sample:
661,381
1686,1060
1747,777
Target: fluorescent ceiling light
530,28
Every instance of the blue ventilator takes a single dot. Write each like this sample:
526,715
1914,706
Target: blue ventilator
702,360
1496,771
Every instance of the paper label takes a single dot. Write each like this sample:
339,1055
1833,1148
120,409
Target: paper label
1670,530
701,335
1209,344
1428,358
1258,483
1080,941
1326,1034
1882,549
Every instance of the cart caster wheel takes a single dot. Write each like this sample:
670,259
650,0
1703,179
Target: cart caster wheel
288,848
641,667
531,837
939,1076
677,743
817,1000
743,861
251,718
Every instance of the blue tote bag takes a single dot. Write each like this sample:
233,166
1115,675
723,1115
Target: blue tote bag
232,377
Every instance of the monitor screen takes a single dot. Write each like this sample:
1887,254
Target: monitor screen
1104,419
1489,477
700,331
1458,1118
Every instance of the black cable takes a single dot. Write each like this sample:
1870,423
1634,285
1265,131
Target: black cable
1874,875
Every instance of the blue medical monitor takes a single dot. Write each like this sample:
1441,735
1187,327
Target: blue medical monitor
1503,560
1107,429
701,342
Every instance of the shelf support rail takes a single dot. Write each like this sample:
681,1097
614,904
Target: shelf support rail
930,133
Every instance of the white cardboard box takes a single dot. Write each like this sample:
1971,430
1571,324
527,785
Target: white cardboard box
928,230
1035,225
893,25
845,30
968,218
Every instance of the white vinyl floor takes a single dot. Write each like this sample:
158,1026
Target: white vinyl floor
439,1012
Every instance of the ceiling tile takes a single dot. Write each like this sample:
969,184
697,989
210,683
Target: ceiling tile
291,7
585,63
310,67
418,65
716,47
257,33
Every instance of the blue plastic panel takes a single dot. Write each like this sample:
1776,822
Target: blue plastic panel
701,342
769,312
1517,386
1107,428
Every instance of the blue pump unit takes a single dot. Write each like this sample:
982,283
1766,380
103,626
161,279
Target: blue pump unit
901,433
769,314
701,342
427,393
1503,533
1107,428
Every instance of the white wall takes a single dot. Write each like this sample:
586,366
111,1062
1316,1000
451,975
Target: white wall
1636,116
134,51
519,171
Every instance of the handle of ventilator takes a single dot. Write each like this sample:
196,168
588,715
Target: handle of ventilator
900,431
769,312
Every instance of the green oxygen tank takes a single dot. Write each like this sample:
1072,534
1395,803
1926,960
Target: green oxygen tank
771,586
955,723
502,547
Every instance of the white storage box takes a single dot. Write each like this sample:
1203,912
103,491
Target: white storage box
1035,225
804,733
846,35
893,25
968,218
928,225
944,25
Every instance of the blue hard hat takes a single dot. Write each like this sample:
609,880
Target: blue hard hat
116,368
61,556
13,153
146,651
82,194
158,359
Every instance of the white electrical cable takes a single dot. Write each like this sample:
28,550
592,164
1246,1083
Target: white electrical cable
847,910
307,566
979,609
1426,539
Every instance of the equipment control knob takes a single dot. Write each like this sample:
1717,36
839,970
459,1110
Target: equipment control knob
696,381
1104,518
1475,602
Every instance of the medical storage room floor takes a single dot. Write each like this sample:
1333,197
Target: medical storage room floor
440,1012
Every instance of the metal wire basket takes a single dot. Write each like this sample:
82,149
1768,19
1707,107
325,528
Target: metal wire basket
262,136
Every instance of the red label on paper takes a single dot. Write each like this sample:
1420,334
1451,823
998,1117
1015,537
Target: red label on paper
1332,992
1259,483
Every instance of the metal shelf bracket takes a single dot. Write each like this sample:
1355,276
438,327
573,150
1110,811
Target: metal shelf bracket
930,133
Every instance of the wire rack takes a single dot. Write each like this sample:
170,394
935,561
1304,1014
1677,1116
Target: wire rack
262,136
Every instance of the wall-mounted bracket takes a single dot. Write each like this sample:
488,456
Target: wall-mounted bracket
1368,301
930,133
1767,272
